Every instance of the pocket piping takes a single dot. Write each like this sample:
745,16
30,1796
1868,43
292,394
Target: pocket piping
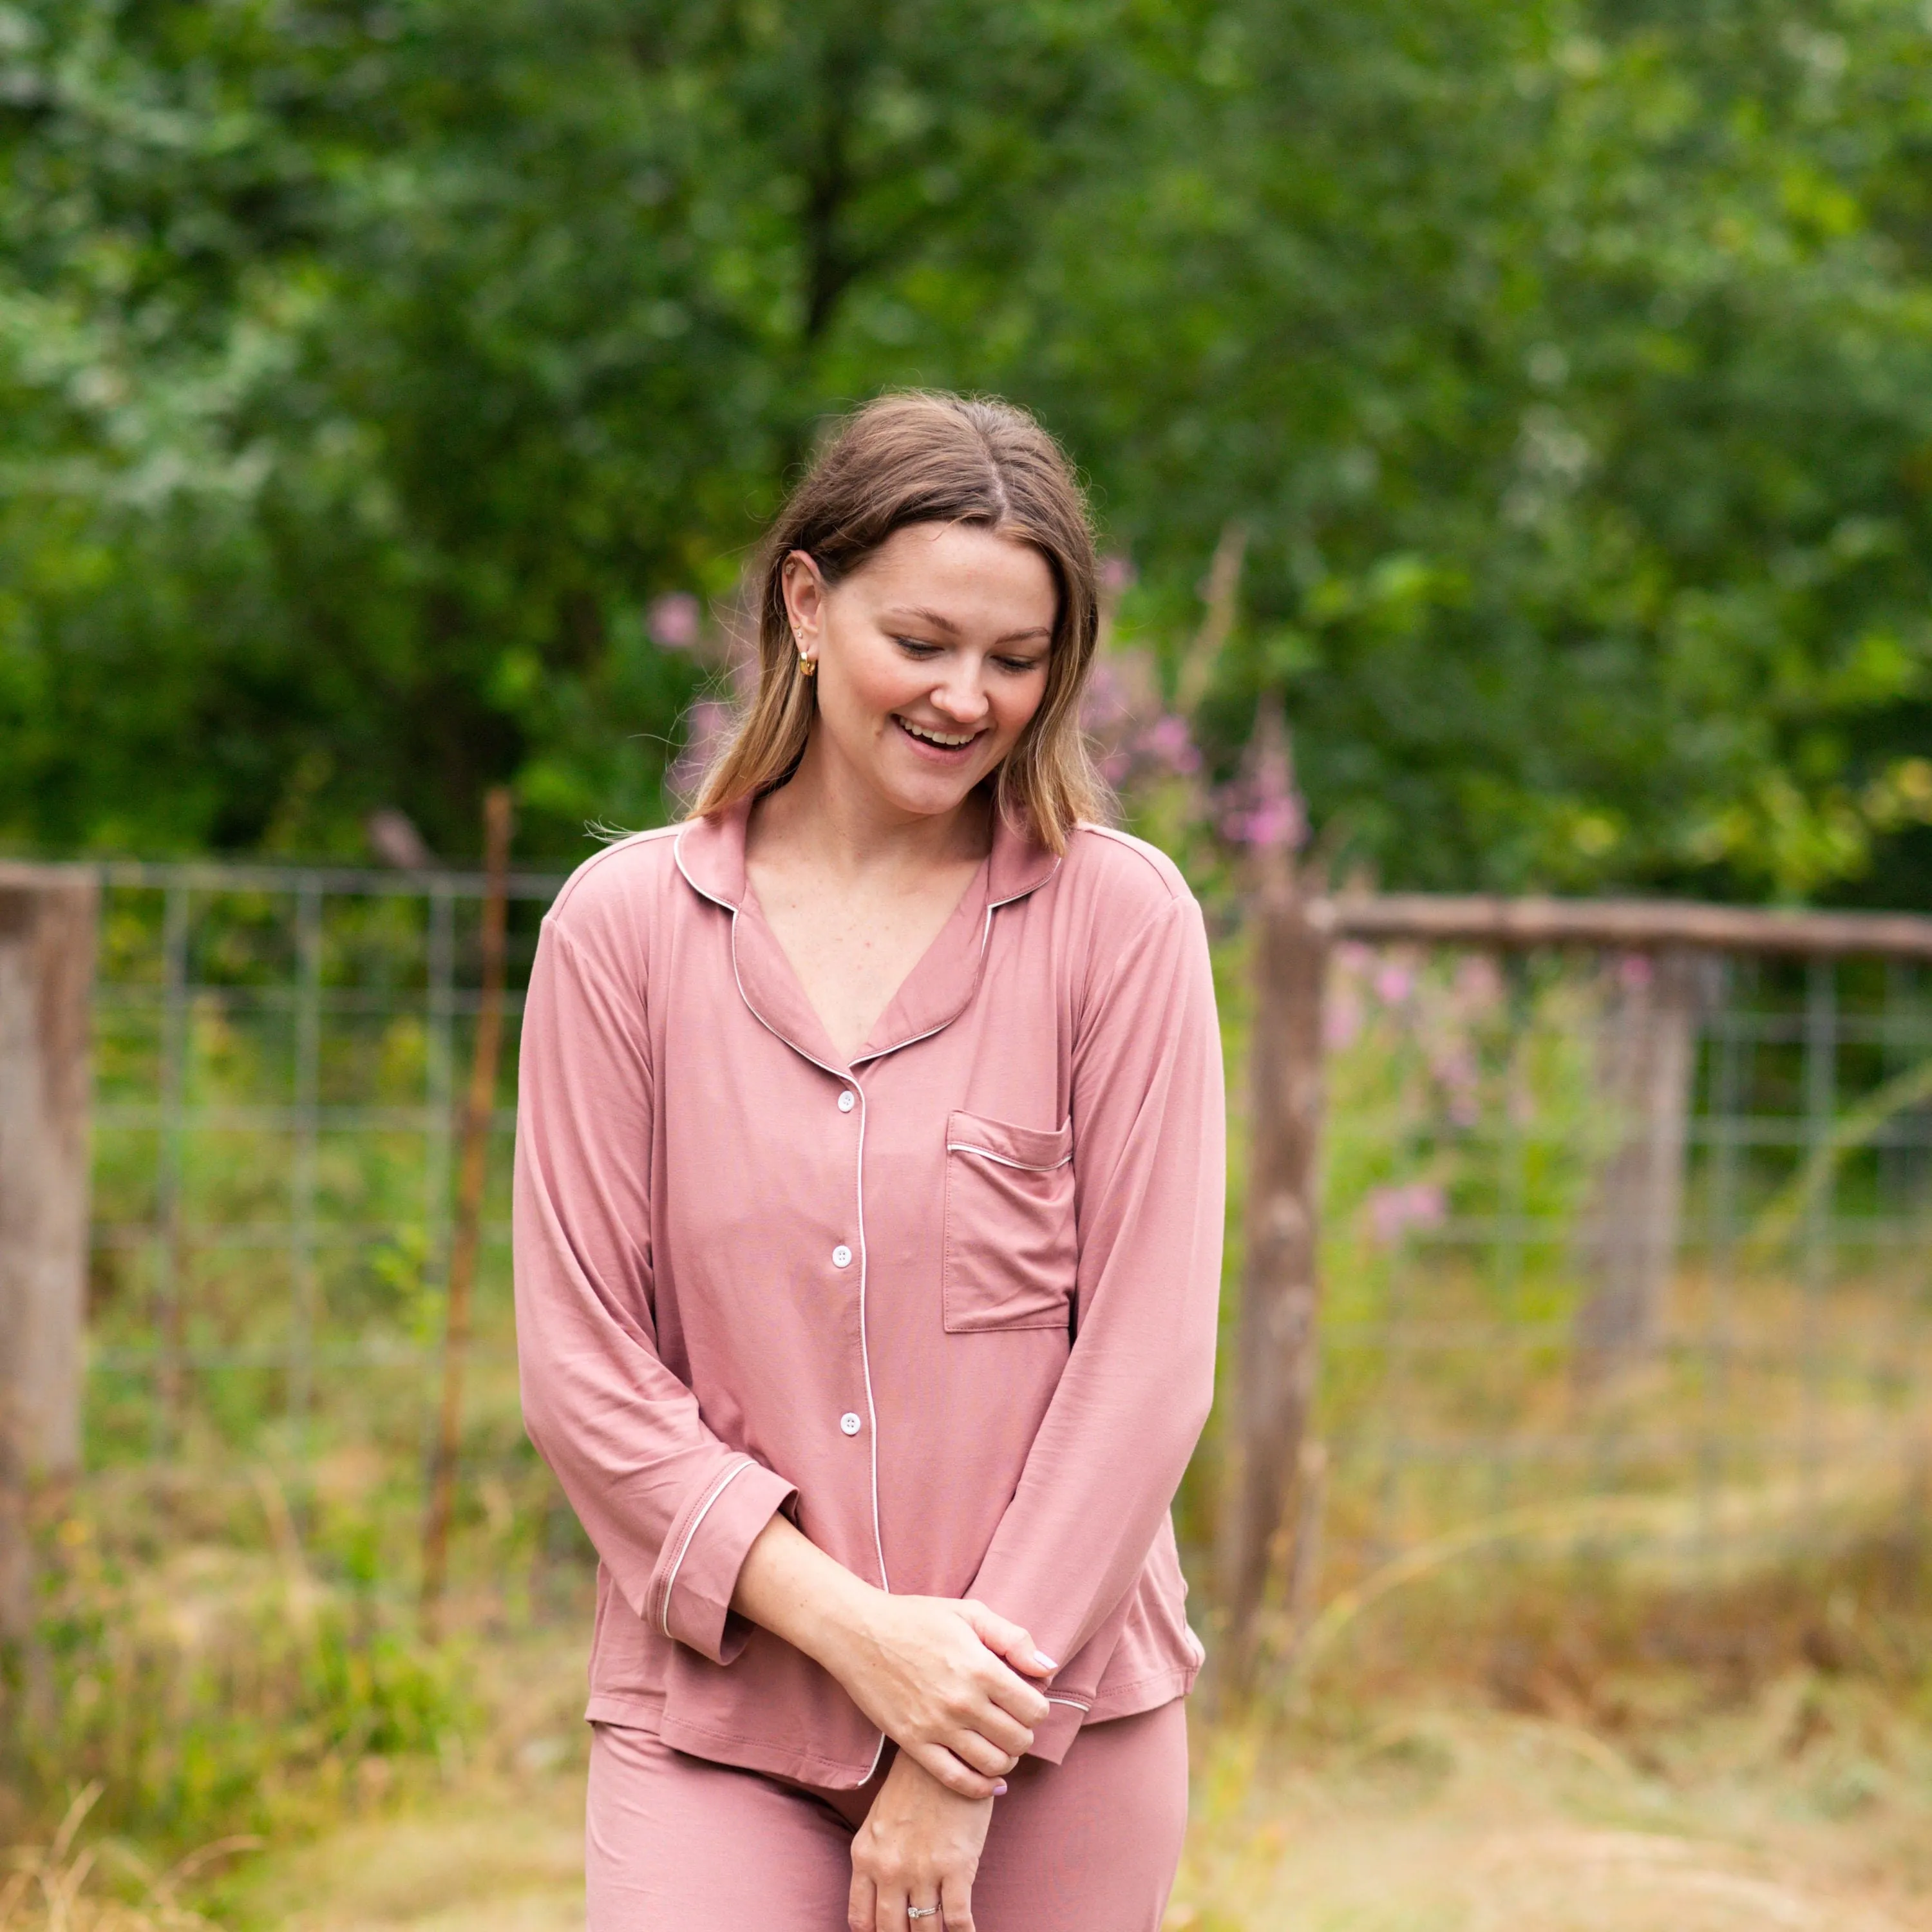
1009,1249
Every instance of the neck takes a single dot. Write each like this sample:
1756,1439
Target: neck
849,828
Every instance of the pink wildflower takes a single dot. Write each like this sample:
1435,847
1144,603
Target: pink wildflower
1392,1211
1167,743
1394,984
674,620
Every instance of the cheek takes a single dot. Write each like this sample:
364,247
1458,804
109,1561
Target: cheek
873,683
1014,706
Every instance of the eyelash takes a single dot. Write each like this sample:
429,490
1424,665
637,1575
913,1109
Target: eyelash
922,651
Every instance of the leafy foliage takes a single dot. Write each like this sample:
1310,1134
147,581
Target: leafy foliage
368,370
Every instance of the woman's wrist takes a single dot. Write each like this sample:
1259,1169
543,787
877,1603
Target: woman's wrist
836,1619
793,1588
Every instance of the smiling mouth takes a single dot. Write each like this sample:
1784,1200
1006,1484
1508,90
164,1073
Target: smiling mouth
940,741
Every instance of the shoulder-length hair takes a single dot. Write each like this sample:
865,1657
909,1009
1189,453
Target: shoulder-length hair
922,457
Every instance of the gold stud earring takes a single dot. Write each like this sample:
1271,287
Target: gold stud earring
806,665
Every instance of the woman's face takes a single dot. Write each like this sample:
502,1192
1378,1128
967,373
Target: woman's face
932,659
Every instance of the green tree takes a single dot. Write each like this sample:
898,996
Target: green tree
367,369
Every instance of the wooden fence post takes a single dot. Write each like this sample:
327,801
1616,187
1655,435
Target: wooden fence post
466,1235
1275,1374
1647,1060
47,921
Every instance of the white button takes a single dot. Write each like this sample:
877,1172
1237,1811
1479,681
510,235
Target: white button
841,1256
845,1101
849,1423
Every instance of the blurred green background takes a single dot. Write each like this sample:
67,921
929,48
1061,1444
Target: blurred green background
368,373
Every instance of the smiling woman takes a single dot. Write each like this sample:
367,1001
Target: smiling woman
868,1213
927,463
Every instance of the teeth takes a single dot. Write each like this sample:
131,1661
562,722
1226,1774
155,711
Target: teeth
934,738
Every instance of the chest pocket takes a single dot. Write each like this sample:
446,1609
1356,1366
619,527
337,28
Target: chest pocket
1010,1251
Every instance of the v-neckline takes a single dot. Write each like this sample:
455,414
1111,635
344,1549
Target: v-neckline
710,854
881,1036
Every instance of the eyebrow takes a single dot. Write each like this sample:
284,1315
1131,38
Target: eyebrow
937,621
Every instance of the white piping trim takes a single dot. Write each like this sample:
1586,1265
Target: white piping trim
865,1353
865,1365
1024,1166
848,1080
849,1077
731,1475
986,934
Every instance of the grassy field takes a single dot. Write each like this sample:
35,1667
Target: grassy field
1809,1805
1524,1747
1652,1654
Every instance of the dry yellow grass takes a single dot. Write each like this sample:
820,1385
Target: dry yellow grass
1528,1742
1806,1808
70,1885
1458,1820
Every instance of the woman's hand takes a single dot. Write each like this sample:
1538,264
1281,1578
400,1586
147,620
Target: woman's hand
920,1845
940,1677
935,1675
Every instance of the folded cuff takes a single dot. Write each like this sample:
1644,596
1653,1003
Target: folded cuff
706,1551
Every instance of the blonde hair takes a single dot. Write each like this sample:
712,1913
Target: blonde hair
918,458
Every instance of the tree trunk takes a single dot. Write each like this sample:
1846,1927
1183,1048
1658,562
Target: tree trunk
47,919
1275,1376
1648,1058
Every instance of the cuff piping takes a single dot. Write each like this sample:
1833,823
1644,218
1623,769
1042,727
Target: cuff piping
730,1476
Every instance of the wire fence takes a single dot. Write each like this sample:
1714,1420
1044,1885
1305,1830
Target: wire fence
278,1053
1624,1225
1590,1229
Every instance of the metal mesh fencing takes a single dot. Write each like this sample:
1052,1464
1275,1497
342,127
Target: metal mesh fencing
278,1054
1623,1240
1595,1225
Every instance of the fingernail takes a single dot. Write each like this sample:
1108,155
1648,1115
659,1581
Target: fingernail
1000,1788
1045,1663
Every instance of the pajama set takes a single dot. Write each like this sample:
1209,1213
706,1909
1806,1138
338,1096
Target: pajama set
949,1306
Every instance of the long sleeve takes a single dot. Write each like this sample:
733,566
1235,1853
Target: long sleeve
671,1509
1150,1161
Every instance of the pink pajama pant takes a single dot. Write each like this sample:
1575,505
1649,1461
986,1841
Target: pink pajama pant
677,1844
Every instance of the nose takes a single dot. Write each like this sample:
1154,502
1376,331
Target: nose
962,696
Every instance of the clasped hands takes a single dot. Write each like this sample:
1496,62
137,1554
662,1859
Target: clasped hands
941,1679
946,1680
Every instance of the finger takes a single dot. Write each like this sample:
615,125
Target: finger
861,1905
992,1714
1017,1697
889,1914
978,1754
955,1776
1010,1640
956,1905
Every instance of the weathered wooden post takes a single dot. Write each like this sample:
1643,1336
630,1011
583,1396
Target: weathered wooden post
1649,1059
467,1233
1275,1373
47,919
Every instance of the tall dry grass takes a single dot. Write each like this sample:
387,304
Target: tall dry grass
104,1885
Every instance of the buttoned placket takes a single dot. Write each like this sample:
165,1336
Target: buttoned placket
851,1099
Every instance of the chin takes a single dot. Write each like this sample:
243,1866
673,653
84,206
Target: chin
930,795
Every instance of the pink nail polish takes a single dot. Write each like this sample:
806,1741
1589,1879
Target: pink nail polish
1045,1663
1000,1788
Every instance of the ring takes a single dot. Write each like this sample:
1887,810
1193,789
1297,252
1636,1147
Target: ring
922,1912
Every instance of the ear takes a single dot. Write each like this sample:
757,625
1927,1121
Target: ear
805,595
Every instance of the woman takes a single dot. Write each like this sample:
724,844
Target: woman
867,1234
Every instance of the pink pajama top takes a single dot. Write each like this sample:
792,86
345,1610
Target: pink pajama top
951,1306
